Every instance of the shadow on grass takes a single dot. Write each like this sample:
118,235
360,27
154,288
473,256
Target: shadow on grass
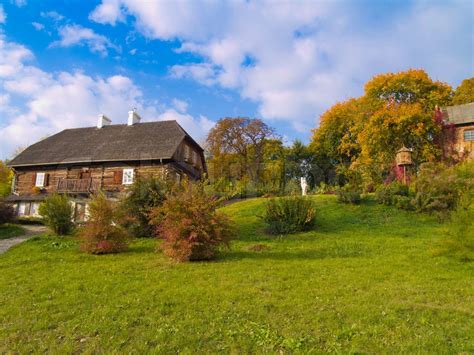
141,246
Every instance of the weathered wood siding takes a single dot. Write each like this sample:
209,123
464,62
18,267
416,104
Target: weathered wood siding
105,173
461,144
192,157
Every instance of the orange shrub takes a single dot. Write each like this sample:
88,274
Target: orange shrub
190,226
100,234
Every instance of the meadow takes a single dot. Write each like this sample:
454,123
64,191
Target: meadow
363,280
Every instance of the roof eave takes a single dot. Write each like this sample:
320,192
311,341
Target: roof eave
85,162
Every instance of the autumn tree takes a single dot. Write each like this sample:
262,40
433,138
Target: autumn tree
464,93
360,137
334,143
6,175
404,105
242,139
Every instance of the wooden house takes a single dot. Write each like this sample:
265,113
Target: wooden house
462,116
81,161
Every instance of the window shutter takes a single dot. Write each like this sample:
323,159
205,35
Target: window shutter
46,180
118,175
34,179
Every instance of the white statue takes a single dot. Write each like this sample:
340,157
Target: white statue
304,186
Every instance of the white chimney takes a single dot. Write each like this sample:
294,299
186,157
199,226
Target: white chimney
103,121
133,117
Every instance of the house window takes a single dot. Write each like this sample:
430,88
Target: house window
34,209
187,154
127,177
469,135
80,212
39,180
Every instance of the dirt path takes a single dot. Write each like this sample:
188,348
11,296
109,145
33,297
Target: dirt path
30,231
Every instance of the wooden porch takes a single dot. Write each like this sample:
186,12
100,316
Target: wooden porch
78,185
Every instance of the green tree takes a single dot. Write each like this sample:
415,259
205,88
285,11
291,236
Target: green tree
301,162
144,195
464,93
6,176
57,213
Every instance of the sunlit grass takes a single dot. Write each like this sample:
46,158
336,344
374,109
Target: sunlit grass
364,280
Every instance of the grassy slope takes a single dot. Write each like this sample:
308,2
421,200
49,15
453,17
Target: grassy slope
10,231
365,280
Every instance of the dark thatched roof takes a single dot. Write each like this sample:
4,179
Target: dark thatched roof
459,114
141,141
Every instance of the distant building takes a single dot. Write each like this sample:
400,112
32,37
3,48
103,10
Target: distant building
462,116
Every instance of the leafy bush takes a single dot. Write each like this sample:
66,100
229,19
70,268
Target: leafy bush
402,202
348,194
459,240
143,196
439,188
389,194
288,215
7,213
190,225
101,234
324,188
57,213
292,187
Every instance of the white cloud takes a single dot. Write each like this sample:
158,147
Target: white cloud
38,26
109,12
180,105
3,15
197,128
20,3
82,98
52,15
72,35
295,59
205,73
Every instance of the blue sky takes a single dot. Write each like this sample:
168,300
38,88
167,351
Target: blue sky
63,63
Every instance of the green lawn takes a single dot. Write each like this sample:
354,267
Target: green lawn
10,231
363,281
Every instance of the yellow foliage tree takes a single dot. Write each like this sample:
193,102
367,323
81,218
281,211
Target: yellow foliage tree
6,176
361,136
464,93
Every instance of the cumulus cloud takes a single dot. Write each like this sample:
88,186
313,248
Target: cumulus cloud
109,12
38,26
73,35
295,59
55,101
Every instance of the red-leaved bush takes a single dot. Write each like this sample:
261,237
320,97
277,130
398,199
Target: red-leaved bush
101,234
190,225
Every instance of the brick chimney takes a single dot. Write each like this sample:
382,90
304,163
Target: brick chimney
133,117
103,121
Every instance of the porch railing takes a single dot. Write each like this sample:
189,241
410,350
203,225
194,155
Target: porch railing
78,185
